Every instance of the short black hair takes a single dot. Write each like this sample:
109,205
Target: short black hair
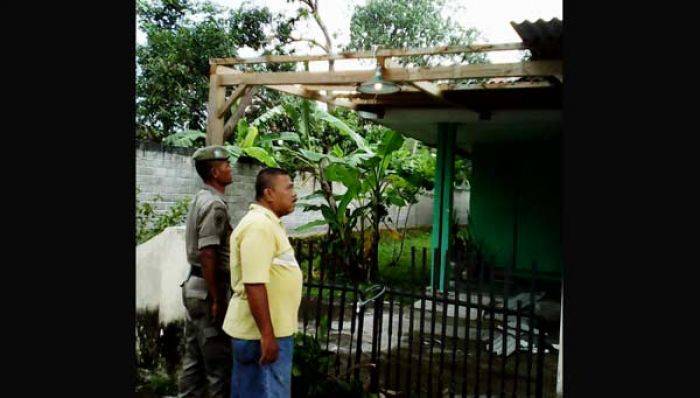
204,169
264,179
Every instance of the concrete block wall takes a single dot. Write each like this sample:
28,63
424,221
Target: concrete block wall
170,173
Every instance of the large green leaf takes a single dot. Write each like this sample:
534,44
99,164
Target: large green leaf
303,124
318,194
241,130
396,200
250,137
348,197
337,151
312,156
234,152
284,136
344,129
261,155
265,117
348,175
311,225
357,158
308,206
329,216
184,138
391,141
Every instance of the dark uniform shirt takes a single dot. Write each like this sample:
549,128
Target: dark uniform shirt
208,224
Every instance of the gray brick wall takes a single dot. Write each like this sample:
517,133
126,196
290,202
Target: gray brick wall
169,172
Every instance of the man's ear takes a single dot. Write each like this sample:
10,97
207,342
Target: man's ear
267,193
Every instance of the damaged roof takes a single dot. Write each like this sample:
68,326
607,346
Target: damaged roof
543,38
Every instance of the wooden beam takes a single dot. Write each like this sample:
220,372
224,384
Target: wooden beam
434,91
240,111
313,95
224,70
493,86
234,96
346,88
428,88
396,52
232,120
324,87
530,68
428,101
215,123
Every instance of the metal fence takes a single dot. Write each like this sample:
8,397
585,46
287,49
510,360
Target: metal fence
481,337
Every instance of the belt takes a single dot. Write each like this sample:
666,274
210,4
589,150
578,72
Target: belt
196,271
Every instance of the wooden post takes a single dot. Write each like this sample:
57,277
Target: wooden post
215,123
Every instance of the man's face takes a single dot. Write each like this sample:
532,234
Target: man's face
282,195
221,172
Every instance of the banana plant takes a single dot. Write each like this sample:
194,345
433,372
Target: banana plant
185,138
250,143
334,152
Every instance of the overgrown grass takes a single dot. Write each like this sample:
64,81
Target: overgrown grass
397,274
400,275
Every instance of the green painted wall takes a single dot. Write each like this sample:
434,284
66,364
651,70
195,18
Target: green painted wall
518,183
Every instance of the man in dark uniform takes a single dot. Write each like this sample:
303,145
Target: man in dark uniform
207,363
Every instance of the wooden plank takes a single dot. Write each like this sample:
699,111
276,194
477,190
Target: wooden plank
530,68
396,52
427,101
223,70
434,91
240,111
341,91
428,88
313,95
234,96
493,86
442,87
215,123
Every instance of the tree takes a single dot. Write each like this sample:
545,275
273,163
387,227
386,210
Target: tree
172,81
415,23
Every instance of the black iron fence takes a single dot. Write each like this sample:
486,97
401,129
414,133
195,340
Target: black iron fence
482,336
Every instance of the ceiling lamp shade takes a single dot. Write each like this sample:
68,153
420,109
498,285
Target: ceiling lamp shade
377,85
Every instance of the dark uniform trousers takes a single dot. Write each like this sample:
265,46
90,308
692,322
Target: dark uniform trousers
208,361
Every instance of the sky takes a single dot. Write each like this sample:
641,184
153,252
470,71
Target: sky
491,17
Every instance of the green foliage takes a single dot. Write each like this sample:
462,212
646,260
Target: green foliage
159,352
149,223
185,138
172,79
416,23
311,372
248,143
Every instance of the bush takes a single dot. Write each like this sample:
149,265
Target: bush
159,352
310,372
149,223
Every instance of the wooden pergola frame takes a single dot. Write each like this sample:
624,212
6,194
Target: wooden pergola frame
343,84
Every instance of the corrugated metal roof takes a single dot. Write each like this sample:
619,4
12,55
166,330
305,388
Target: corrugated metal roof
543,38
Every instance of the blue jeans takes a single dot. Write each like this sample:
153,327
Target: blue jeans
249,379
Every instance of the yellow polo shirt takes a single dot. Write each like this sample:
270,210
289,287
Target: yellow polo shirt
261,253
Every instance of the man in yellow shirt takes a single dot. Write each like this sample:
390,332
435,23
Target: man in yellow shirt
267,285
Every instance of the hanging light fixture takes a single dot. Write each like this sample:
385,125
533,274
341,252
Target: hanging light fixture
377,84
